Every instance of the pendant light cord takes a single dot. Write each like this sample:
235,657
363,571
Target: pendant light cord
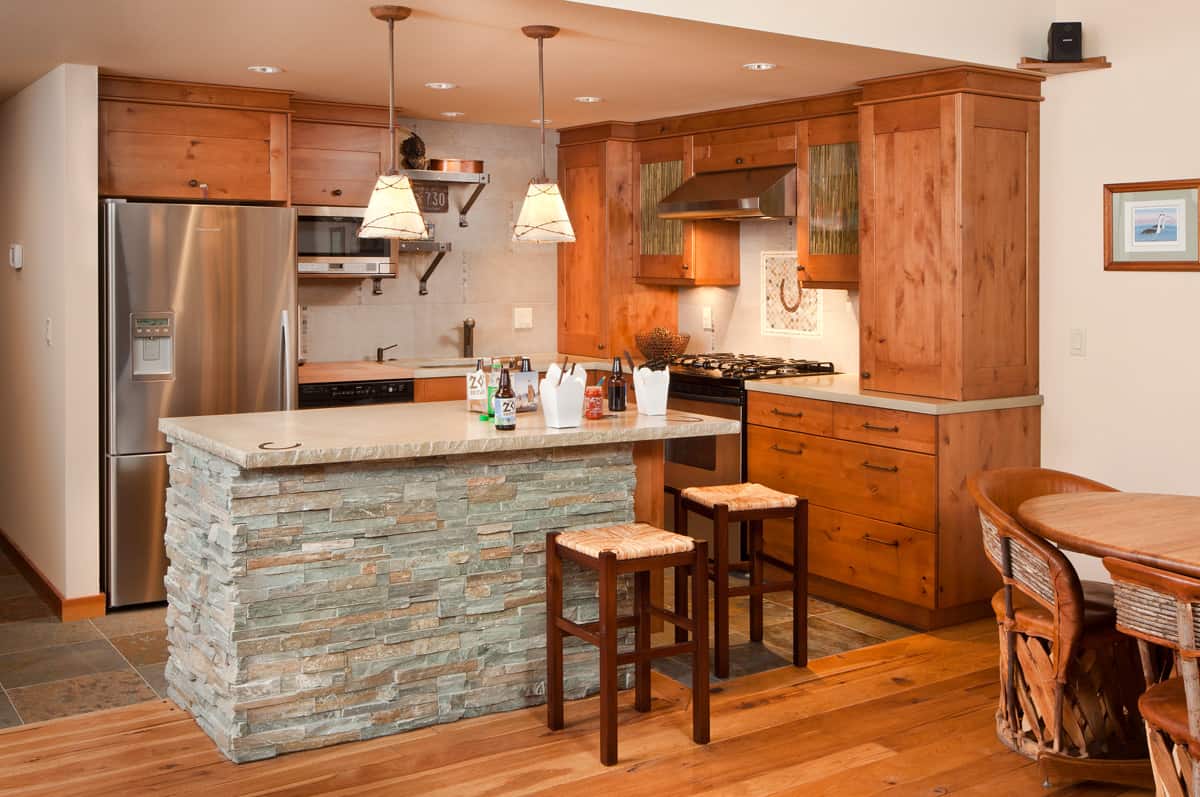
392,98
542,106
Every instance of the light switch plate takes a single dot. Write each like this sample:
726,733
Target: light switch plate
706,318
522,318
1079,343
16,256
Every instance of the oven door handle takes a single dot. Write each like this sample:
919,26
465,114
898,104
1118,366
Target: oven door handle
733,401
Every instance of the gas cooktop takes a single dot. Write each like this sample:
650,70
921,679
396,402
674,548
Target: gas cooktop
724,365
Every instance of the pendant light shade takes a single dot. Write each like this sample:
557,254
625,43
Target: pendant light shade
543,216
392,211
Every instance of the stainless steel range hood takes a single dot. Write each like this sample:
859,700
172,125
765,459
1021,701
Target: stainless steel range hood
765,193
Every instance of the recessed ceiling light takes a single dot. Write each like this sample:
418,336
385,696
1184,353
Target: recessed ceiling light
589,99
266,70
441,86
541,121
453,114
758,66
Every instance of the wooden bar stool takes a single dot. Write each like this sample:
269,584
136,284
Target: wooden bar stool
751,504
611,551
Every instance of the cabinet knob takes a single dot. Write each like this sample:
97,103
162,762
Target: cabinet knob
685,266
866,374
738,161
600,346
336,192
194,183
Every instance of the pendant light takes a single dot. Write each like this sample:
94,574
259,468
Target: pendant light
392,211
543,217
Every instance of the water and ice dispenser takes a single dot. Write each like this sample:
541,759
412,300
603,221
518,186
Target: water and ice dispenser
153,345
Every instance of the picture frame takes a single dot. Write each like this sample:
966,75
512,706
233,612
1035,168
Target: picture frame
1152,226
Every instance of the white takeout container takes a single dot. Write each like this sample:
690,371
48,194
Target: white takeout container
651,389
562,404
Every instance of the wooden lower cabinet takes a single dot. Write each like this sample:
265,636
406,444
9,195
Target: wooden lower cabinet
441,388
892,530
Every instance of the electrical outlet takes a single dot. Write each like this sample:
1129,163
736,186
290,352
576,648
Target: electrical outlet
522,318
16,256
706,318
1079,343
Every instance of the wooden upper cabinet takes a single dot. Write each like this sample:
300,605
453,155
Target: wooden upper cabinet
163,151
336,164
671,251
827,199
600,305
949,213
745,147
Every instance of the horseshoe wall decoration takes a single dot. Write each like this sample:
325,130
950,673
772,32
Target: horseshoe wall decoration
791,308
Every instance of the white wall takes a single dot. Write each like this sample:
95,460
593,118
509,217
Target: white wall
980,31
49,449
1126,413
484,277
736,311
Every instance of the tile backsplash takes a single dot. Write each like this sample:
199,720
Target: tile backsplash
738,312
484,277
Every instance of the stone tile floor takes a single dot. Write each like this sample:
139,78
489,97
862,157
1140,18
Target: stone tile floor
52,669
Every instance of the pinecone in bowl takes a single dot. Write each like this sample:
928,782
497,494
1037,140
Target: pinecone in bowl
661,344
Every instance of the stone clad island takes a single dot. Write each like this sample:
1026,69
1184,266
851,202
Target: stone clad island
342,574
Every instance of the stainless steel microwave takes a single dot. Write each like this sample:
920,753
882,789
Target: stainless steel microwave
327,242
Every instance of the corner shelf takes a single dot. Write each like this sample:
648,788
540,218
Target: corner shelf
1063,67
478,179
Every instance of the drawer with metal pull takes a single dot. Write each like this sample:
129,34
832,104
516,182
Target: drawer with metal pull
893,428
791,413
864,553
886,484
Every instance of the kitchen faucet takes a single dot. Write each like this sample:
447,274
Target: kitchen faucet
379,352
468,337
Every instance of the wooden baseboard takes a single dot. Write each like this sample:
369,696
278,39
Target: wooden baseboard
68,609
899,611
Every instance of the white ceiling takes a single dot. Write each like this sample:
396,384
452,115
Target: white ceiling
643,66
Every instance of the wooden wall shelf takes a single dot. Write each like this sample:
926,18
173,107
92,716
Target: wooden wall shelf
1063,67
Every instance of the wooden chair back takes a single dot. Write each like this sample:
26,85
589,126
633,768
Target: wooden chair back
1026,561
1162,608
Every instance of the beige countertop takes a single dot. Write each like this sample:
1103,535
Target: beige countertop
846,389
417,368
406,431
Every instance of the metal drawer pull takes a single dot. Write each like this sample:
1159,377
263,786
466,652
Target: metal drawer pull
877,541
872,428
793,451
777,411
885,468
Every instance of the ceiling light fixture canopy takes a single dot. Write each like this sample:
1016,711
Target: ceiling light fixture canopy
265,70
441,86
543,217
758,66
392,211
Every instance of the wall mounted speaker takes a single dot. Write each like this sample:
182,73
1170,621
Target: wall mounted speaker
1065,41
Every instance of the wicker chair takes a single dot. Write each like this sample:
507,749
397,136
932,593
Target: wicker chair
1069,680
1162,608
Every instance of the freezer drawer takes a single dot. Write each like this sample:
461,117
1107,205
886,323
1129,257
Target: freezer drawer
136,556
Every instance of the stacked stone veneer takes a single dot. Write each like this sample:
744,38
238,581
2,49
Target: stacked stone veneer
321,604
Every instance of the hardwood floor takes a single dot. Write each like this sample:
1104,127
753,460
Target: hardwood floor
912,716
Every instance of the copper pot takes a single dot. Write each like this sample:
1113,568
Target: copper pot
455,165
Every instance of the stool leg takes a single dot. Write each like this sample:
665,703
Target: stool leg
554,647
800,584
755,542
641,600
721,596
608,658
700,731
681,585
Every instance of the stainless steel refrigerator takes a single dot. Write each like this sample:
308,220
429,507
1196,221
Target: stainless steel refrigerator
199,312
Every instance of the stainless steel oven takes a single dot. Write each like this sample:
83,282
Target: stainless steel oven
327,242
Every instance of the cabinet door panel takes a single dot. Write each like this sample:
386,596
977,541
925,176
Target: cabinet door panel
827,206
911,308
582,270
336,164
746,147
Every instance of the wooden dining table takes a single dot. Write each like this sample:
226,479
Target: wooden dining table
1158,530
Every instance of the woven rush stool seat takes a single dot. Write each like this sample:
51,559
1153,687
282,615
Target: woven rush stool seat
746,497
611,551
634,541
749,504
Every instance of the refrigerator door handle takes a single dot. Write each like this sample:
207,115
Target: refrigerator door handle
286,358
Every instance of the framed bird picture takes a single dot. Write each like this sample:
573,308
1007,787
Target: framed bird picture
1152,226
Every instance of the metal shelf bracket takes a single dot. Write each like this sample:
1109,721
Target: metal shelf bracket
432,267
